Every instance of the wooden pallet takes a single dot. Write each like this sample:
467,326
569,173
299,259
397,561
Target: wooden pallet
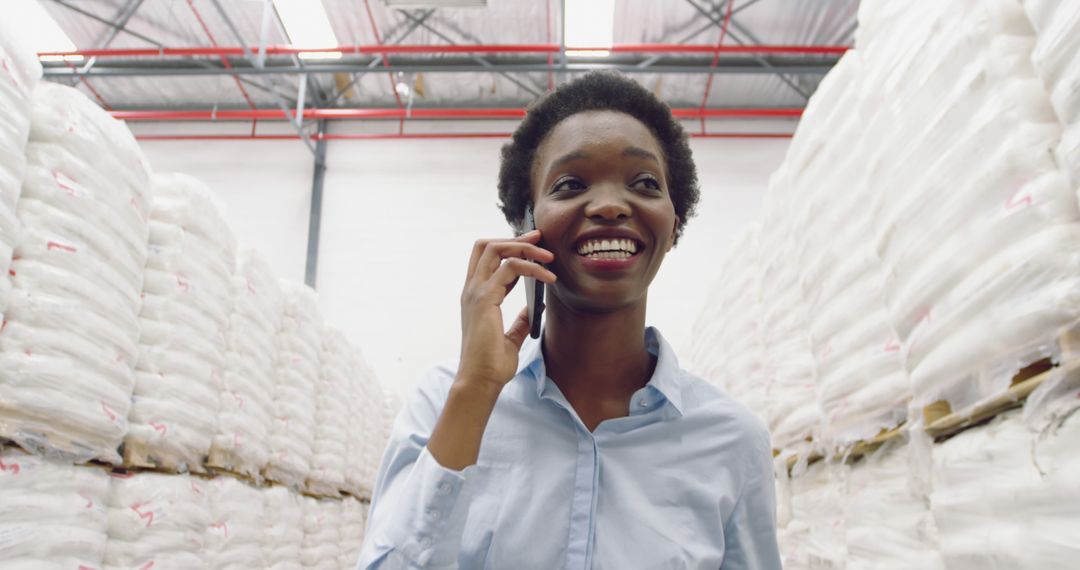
139,456
224,461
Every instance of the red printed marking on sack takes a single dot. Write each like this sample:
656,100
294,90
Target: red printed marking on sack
15,468
251,288
239,400
69,185
160,428
121,475
148,516
893,346
1016,199
52,246
85,567
89,500
196,488
222,525
147,566
236,441
108,411
3,325
182,283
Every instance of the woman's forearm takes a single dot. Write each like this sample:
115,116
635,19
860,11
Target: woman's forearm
455,441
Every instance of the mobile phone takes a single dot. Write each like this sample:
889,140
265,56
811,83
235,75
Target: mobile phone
534,290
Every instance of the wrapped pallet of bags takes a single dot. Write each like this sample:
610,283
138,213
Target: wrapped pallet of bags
242,442
1005,495
983,275
156,521
322,533
360,427
888,523
234,533
53,516
353,522
283,528
332,413
815,538
183,323
292,433
20,72
1057,41
70,344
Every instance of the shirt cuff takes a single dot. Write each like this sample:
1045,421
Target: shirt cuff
433,519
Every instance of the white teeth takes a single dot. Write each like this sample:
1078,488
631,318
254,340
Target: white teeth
621,247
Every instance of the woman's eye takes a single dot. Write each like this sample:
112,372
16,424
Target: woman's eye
568,184
647,183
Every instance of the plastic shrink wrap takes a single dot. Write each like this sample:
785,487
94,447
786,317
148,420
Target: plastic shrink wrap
234,535
20,72
888,522
322,534
815,536
283,528
53,515
156,521
353,522
363,428
292,433
249,380
979,223
332,415
70,343
183,322
1006,496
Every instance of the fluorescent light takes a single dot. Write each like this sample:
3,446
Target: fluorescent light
437,3
308,26
41,32
590,26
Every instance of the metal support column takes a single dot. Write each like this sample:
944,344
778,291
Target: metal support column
315,218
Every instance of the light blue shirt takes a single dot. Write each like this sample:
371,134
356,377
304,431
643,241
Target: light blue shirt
684,481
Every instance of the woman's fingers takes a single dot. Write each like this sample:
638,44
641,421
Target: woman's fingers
513,267
488,254
519,329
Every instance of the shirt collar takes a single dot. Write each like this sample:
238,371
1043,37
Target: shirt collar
665,378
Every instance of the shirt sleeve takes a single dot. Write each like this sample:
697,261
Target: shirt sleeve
418,509
750,533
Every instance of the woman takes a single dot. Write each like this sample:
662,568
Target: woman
588,448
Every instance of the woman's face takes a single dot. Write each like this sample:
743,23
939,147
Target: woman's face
601,201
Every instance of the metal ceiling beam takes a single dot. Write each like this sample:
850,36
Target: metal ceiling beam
506,113
375,62
627,65
119,24
420,136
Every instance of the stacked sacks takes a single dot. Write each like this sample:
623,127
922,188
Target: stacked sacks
1005,496
1057,33
322,534
283,529
234,534
332,413
353,521
53,515
19,73
184,317
292,433
888,524
71,339
365,429
248,383
814,538
156,521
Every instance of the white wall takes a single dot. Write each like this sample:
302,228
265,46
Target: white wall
399,219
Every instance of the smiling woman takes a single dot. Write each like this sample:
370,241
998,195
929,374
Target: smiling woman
589,447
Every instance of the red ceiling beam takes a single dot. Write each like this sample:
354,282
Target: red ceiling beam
443,49
344,114
413,136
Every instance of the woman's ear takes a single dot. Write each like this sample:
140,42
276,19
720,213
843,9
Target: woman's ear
674,233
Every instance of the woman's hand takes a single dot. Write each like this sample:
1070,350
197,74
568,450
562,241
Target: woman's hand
488,355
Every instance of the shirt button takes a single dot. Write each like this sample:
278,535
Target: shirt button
425,542
433,514
643,404
445,488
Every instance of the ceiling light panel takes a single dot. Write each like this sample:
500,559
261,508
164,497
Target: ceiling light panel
589,27
308,27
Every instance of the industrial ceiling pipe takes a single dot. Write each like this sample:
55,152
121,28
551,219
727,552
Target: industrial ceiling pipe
417,114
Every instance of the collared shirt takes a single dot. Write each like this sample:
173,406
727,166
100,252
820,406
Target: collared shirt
683,481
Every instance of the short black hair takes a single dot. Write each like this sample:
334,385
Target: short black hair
596,91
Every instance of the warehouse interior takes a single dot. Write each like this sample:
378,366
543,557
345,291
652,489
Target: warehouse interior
234,233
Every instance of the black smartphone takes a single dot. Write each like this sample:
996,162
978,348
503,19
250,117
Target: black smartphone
534,290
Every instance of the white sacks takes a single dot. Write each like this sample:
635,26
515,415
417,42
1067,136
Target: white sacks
249,379
365,441
888,524
353,522
322,534
234,535
20,72
1057,34
292,433
156,521
815,538
1007,497
52,516
332,415
283,529
71,340
183,322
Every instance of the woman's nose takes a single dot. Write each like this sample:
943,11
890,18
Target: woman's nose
606,201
